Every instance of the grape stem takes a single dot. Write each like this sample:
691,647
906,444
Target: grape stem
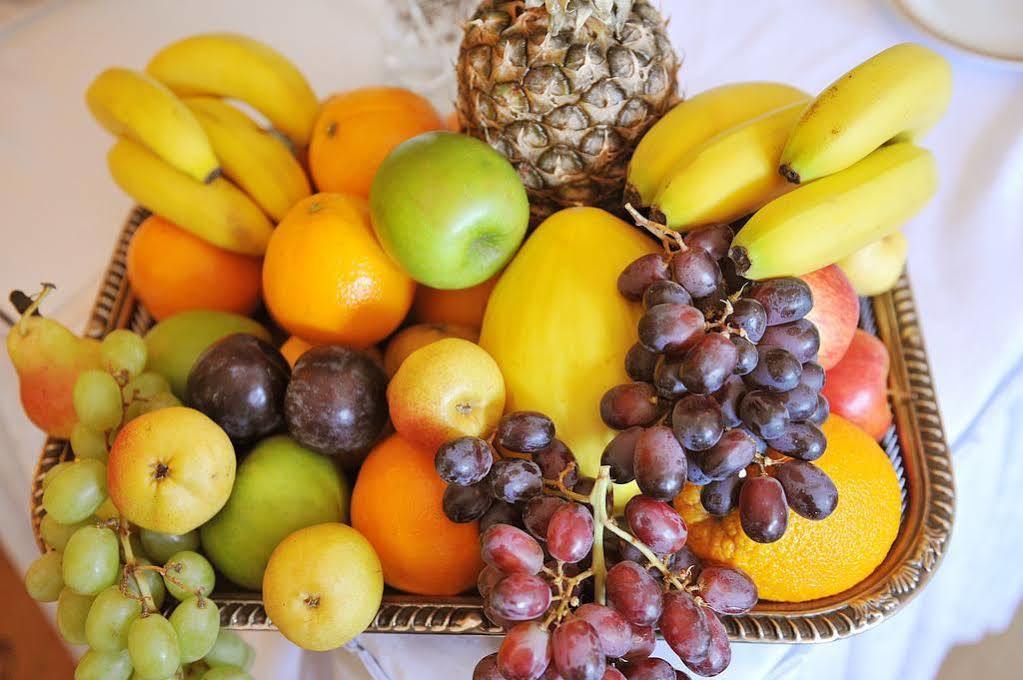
669,577
598,501
124,533
565,598
670,240
557,486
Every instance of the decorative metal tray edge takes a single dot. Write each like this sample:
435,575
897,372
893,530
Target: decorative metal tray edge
916,444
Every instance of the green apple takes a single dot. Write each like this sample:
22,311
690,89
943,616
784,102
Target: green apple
449,209
279,488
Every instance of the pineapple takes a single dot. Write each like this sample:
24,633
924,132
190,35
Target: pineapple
565,90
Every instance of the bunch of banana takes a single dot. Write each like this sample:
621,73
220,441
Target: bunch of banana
195,159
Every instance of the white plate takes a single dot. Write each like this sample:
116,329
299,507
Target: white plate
989,29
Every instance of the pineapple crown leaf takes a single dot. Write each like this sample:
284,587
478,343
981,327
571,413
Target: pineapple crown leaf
574,13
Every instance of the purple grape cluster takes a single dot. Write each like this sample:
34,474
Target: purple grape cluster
725,369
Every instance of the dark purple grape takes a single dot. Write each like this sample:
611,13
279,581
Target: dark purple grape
800,338
777,370
486,669
240,383
666,292
656,524
336,402
784,300
620,453
634,593
694,472
537,514
667,379
685,560
684,626
630,404
748,315
520,597
734,451
728,398
671,328
464,461
650,669
614,632
763,512
746,356
514,480
643,642
709,364
488,578
727,590
719,652
570,533
554,460
721,497
576,649
464,504
812,376
800,402
821,413
804,441
696,271
759,441
640,273
627,551
660,463
697,422
715,239
713,305
733,279
763,413
808,489
500,513
524,432
511,550
640,363
525,652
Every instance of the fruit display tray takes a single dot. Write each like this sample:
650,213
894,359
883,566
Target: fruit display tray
915,444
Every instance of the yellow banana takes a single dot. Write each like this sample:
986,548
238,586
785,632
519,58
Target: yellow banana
218,212
895,95
729,175
255,160
693,122
221,110
827,220
133,104
238,67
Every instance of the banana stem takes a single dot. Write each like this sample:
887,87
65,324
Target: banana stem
598,501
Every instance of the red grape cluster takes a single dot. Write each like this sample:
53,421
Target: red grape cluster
543,543
730,365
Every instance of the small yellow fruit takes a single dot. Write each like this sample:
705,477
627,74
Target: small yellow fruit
876,268
323,586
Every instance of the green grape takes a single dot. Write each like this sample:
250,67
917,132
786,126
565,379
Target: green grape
72,610
226,673
192,570
92,560
76,491
56,535
161,547
97,400
51,474
88,443
159,401
195,671
44,579
197,623
153,647
230,650
106,627
97,665
124,351
138,550
153,581
144,386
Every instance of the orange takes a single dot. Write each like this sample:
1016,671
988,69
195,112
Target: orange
464,307
408,340
814,558
396,505
172,270
326,279
294,347
356,130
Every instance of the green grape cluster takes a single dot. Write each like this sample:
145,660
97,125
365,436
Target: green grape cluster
100,571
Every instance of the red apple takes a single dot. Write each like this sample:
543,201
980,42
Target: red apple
836,312
857,387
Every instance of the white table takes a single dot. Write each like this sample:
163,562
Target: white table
61,214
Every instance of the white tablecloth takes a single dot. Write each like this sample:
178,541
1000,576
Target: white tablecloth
61,213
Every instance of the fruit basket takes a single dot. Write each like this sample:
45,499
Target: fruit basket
915,444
